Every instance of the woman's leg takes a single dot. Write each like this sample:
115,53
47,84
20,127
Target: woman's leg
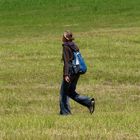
83,100
64,99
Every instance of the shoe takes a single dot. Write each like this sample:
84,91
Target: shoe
92,106
65,113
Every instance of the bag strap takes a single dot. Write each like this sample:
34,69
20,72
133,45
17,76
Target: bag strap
71,46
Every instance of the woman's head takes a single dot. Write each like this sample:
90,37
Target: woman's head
67,36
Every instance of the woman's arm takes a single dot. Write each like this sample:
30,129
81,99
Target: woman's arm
67,58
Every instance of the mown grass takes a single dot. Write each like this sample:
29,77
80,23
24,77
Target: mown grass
108,34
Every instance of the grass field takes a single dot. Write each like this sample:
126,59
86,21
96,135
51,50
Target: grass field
108,35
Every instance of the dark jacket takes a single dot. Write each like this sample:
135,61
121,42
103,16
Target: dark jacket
67,56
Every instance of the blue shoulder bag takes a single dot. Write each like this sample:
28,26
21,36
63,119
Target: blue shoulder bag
78,63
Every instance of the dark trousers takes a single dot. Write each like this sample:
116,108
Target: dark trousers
68,90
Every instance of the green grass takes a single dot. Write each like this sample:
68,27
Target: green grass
108,34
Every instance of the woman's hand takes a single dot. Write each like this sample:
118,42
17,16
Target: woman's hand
67,79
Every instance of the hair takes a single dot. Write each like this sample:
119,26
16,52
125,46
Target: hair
67,36
64,39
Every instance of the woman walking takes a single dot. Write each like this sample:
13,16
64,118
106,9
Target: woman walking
70,80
